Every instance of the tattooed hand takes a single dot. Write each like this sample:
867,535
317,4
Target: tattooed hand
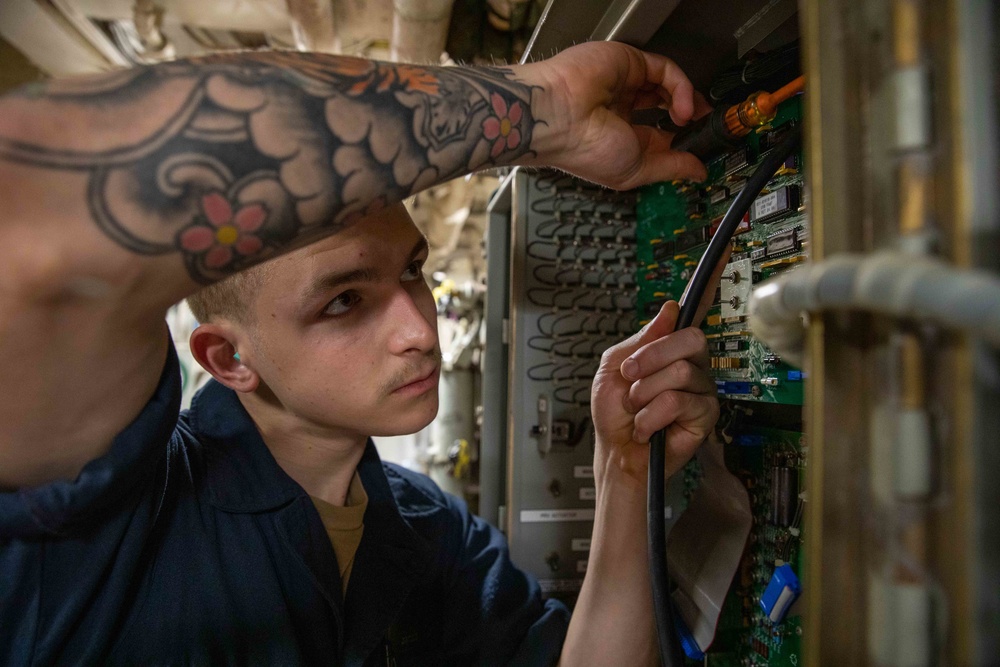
590,91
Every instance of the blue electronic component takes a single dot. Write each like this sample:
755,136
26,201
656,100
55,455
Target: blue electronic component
735,388
781,592
795,376
688,642
749,440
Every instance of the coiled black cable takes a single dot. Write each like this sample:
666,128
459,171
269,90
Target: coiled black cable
671,653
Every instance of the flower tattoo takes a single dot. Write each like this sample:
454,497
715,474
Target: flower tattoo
255,152
502,128
227,231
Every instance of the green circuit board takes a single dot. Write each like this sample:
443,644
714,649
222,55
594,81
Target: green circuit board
745,636
675,222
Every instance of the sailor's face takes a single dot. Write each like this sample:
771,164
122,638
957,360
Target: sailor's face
347,330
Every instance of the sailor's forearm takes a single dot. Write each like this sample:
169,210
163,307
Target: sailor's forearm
613,622
222,162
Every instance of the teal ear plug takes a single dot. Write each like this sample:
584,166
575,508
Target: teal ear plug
236,356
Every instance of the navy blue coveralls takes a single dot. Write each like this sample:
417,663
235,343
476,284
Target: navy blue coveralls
187,544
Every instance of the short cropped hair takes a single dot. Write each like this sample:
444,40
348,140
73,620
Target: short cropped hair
231,298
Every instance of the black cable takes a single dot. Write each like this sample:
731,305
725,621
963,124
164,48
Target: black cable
741,204
671,653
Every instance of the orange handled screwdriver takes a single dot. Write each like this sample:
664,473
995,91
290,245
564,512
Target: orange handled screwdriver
725,127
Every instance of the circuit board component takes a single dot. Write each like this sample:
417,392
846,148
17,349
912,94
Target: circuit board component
760,624
675,222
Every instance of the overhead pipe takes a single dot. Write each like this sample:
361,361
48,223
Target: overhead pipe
312,25
420,30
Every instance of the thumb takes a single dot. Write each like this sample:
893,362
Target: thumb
660,326
660,162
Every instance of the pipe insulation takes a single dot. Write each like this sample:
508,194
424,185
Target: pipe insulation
312,25
888,283
420,30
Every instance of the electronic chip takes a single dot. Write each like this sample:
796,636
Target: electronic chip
686,241
775,204
772,138
736,160
718,195
662,251
782,242
696,210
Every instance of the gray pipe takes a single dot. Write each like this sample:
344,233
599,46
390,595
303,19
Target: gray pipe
890,283
312,25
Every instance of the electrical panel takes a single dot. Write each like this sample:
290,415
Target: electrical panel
588,267
760,623
845,563
573,295
677,220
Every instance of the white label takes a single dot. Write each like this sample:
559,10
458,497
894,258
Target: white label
581,566
785,599
765,205
583,472
580,544
547,516
588,493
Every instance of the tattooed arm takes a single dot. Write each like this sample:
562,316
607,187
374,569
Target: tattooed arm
225,160
122,193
